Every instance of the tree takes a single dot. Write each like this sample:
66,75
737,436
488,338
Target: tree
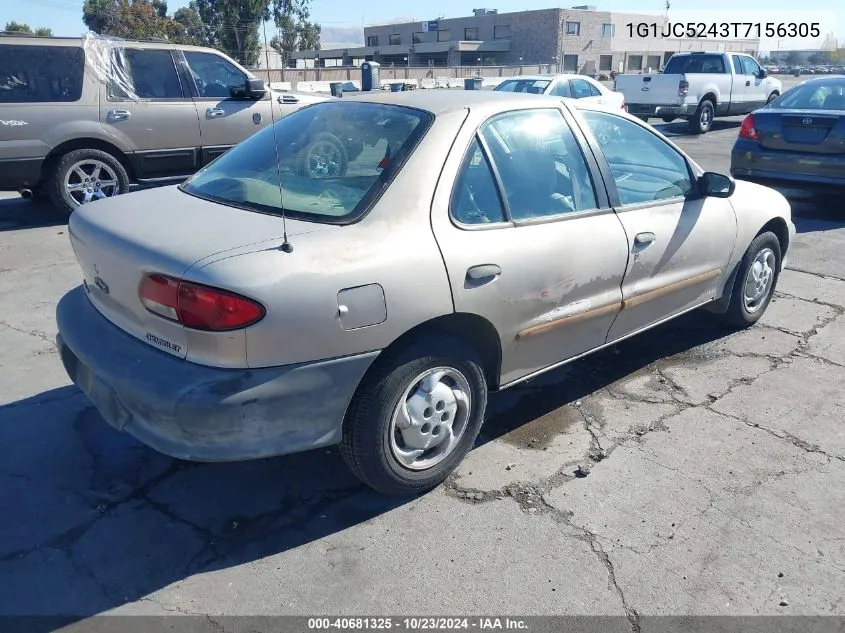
815,59
143,19
20,27
232,26
298,33
792,58
830,43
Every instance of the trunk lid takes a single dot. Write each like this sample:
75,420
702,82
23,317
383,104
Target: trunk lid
119,240
816,131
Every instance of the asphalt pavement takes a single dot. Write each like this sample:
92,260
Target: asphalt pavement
687,471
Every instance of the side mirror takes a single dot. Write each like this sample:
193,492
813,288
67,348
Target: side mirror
252,89
763,73
715,185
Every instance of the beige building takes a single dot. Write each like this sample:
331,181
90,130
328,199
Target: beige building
580,39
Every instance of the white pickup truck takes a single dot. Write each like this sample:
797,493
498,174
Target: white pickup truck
699,86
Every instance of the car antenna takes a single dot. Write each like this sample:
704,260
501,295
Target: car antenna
286,246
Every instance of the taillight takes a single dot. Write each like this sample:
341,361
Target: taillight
747,129
683,88
197,306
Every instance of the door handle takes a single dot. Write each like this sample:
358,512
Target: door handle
483,271
288,99
643,239
118,115
213,112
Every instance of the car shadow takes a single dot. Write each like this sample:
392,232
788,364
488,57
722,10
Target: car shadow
95,519
681,128
17,213
814,212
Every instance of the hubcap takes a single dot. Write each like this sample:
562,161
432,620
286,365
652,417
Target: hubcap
705,118
91,180
758,281
430,418
324,161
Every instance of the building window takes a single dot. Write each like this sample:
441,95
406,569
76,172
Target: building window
573,28
607,30
605,62
471,34
372,40
501,32
419,37
653,61
570,63
635,62
444,36
395,39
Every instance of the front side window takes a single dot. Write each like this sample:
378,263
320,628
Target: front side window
751,67
333,159
561,89
542,169
214,75
150,74
645,168
476,199
41,74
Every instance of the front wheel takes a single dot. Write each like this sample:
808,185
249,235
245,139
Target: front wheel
415,417
702,120
755,281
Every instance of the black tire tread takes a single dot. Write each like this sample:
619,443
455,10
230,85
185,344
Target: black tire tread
695,120
735,316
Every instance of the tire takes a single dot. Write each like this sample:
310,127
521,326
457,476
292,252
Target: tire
772,97
702,120
668,119
738,314
324,157
642,117
87,160
370,438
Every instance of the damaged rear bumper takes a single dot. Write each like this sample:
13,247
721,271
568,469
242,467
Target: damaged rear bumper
200,413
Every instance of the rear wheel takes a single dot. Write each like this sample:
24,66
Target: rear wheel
415,417
772,97
702,120
755,281
85,175
324,157
668,119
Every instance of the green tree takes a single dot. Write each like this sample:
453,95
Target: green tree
142,19
792,58
233,26
189,26
297,32
815,59
43,31
17,27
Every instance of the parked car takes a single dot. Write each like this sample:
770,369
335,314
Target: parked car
570,86
481,239
798,138
83,118
698,87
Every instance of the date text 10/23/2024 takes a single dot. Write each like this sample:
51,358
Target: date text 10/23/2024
417,623
724,30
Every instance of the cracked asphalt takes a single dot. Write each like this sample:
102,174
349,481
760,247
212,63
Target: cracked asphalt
687,471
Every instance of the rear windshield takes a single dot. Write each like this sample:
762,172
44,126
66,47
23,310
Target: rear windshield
695,64
531,86
40,74
814,96
334,159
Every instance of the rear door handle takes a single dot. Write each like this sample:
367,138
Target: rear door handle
118,115
214,112
288,99
642,239
483,271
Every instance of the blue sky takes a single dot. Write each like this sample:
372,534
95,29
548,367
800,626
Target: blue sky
65,16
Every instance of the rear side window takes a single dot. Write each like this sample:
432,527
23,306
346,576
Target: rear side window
695,63
152,74
41,74
531,86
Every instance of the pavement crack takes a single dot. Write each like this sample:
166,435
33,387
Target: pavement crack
814,274
34,333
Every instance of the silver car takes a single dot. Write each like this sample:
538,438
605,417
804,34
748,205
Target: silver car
475,240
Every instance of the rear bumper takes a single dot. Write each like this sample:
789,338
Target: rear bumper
201,413
642,109
20,173
750,161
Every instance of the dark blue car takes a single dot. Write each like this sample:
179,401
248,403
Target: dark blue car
797,139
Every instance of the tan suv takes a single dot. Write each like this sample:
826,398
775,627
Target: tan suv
83,118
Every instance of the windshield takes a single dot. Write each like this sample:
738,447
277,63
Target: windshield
813,96
334,160
695,64
532,86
